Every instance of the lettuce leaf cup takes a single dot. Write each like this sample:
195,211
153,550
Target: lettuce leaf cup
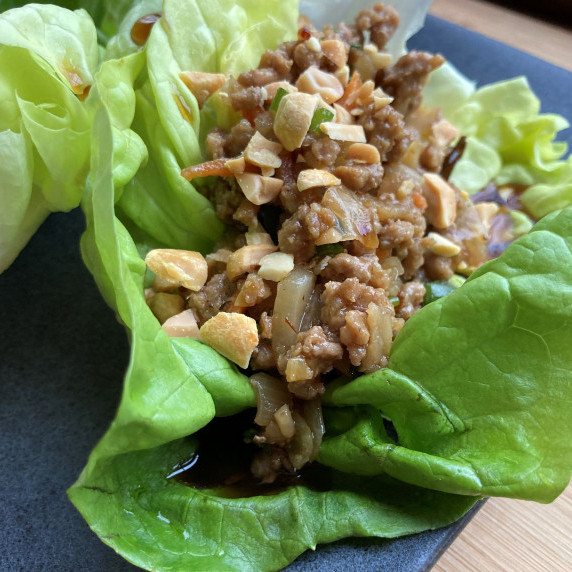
477,386
45,120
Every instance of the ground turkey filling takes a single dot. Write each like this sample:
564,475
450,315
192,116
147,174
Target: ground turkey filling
334,189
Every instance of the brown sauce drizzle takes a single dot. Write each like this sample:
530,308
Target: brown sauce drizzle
222,460
142,28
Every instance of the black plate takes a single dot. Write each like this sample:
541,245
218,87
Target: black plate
63,356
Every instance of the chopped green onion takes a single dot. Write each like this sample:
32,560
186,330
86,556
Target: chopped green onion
395,301
320,116
356,46
280,93
329,249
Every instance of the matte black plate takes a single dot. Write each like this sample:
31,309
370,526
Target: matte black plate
62,358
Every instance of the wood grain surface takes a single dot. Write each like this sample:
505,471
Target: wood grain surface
537,37
512,535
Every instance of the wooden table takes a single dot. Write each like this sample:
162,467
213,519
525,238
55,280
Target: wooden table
508,534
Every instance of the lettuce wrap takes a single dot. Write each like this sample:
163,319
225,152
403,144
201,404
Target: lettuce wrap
478,383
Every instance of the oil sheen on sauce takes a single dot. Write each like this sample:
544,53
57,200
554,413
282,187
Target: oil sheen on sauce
222,461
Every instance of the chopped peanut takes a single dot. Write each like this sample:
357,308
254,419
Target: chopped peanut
314,45
363,153
236,166
258,189
441,201
183,325
293,118
258,238
276,266
165,305
440,245
232,335
263,152
445,133
340,132
335,51
326,85
370,61
312,178
246,259
343,74
487,211
342,115
380,98
181,267
202,84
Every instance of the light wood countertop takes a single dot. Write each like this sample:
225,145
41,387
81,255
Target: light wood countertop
506,534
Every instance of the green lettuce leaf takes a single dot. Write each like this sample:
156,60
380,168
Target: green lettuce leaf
44,126
484,406
508,140
106,14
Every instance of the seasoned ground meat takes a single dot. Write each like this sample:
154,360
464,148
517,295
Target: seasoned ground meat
340,297
406,78
246,98
252,291
396,232
211,299
263,357
432,157
304,57
412,257
438,267
346,33
263,123
301,231
322,153
380,21
294,237
238,138
366,269
227,197
361,178
355,335
215,143
279,59
410,299
385,129
315,352
246,213
258,77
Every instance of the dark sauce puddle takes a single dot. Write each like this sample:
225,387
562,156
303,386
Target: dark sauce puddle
222,463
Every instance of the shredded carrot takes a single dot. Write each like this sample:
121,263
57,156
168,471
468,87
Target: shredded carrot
419,201
207,169
351,92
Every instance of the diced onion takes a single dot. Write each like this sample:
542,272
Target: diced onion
302,445
292,297
271,395
313,415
